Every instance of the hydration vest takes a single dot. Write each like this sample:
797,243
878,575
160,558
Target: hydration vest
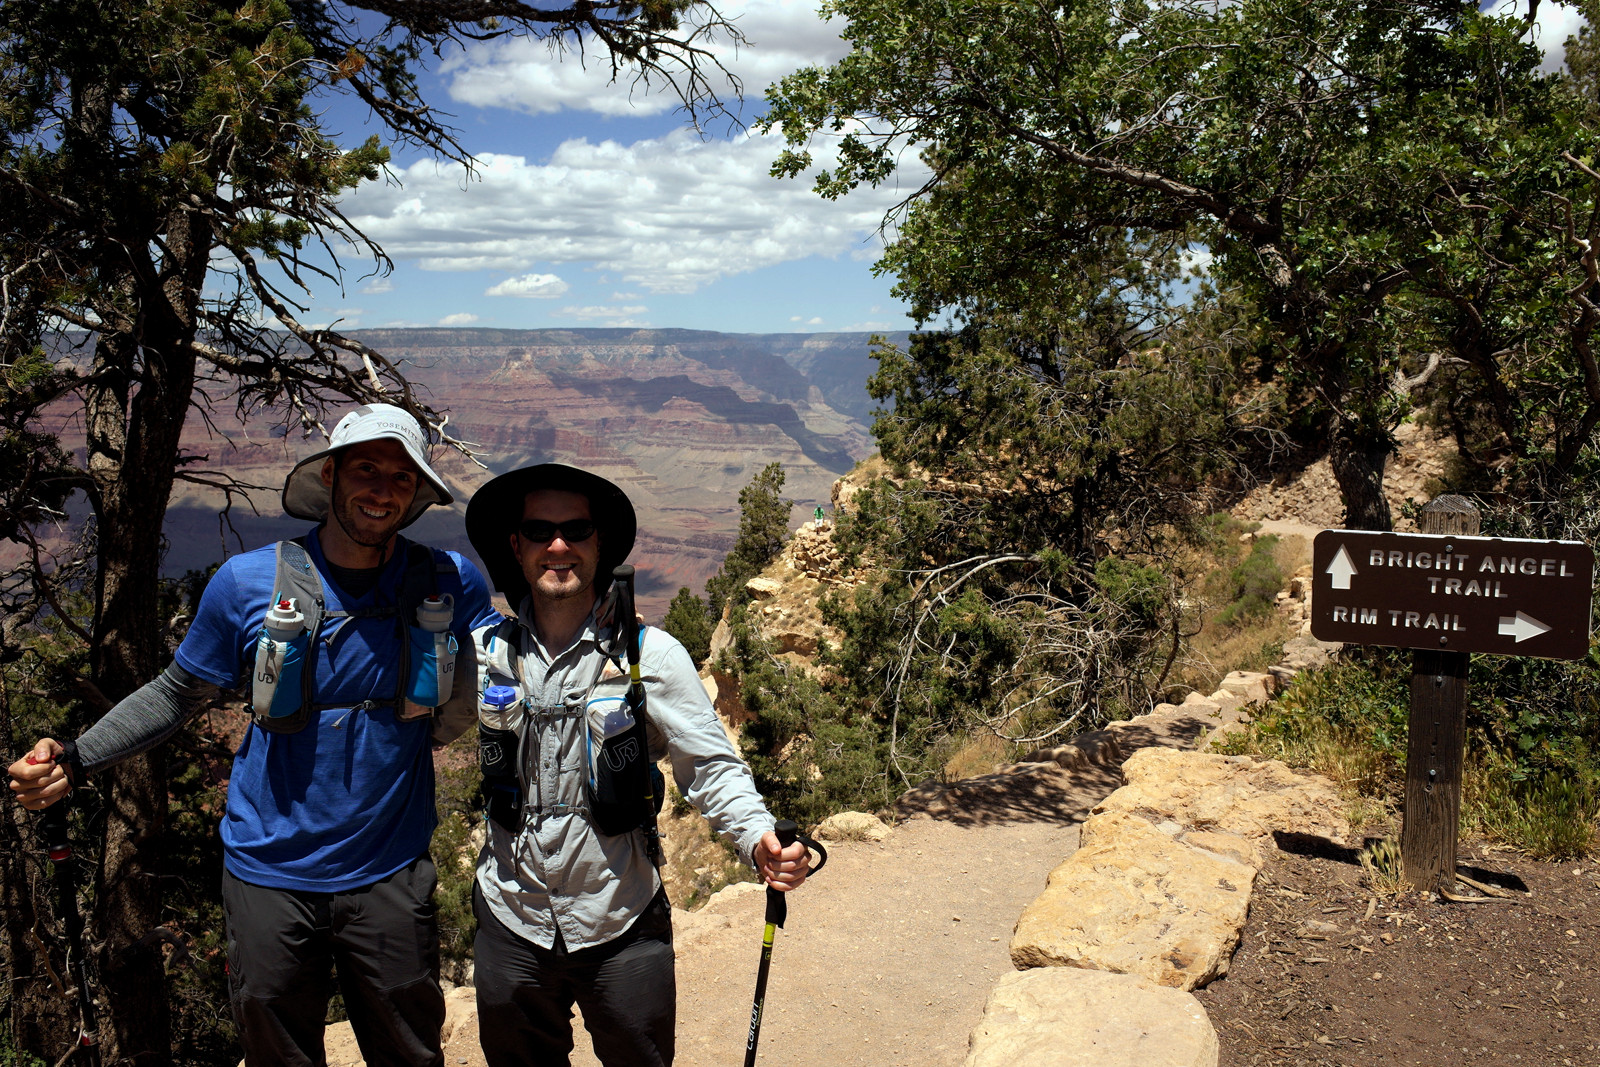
617,772
296,577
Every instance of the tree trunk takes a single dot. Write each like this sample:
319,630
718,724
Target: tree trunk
136,410
1358,456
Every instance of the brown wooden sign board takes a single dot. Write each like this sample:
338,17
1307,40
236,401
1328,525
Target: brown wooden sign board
1503,596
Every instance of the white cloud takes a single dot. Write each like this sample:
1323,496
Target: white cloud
381,285
1550,33
1196,260
667,215
606,315
603,311
526,75
460,318
530,286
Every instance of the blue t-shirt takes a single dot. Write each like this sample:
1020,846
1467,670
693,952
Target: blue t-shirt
348,800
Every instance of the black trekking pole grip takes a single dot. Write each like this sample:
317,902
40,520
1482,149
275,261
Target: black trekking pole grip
627,611
787,832
627,624
53,828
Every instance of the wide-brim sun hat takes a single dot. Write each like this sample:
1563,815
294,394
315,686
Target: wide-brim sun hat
495,512
304,495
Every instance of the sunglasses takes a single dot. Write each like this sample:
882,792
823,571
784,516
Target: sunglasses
543,531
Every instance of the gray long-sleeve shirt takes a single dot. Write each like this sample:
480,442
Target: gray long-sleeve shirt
558,871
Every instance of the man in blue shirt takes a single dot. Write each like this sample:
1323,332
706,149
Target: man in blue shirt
330,809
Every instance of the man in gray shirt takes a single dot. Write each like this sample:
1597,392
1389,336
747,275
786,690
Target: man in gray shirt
566,913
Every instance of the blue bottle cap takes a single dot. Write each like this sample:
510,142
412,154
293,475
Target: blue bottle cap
498,696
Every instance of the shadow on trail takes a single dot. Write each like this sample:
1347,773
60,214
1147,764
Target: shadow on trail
1026,792
1150,731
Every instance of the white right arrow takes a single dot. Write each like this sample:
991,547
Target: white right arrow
1522,627
1341,568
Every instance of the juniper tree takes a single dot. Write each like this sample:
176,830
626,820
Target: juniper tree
688,621
1387,184
763,528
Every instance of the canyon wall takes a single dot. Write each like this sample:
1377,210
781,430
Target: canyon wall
681,419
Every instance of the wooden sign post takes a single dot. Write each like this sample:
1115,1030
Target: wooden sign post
1437,739
1447,593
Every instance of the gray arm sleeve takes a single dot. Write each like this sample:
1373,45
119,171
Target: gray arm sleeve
145,718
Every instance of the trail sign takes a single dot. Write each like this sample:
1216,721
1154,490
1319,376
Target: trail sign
1505,596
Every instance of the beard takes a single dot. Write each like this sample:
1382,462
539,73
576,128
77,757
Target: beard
365,531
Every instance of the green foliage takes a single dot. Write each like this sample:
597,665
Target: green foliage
1365,699
1385,183
1552,817
1250,588
457,787
1140,593
690,622
10,1055
1531,778
810,756
763,529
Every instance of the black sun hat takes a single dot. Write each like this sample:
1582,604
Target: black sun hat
495,511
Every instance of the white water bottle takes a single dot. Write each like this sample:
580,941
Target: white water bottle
609,716
499,716
277,658
433,658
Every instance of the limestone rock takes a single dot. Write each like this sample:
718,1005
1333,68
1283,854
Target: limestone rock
1062,1017
1097,749
1168,725
763,588
1024,790
852,826
1237,794
1139,901
1305,652
734,906
339,1043
1312,497
1252,687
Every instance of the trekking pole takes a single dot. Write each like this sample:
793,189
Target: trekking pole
54,827
777,911
628,624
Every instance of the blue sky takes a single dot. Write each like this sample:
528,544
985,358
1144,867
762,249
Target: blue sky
593,205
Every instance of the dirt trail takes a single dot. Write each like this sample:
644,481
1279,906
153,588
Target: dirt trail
888,956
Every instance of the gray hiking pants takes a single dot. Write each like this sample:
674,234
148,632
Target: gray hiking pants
285,945
626,989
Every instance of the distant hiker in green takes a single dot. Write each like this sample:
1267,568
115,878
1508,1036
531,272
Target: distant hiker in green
345,640
570,907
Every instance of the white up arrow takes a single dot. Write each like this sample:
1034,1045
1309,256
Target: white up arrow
1341,568
1522,627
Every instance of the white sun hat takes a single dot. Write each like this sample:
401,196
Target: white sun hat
304,495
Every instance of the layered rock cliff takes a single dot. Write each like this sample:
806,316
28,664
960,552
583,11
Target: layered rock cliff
681,419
